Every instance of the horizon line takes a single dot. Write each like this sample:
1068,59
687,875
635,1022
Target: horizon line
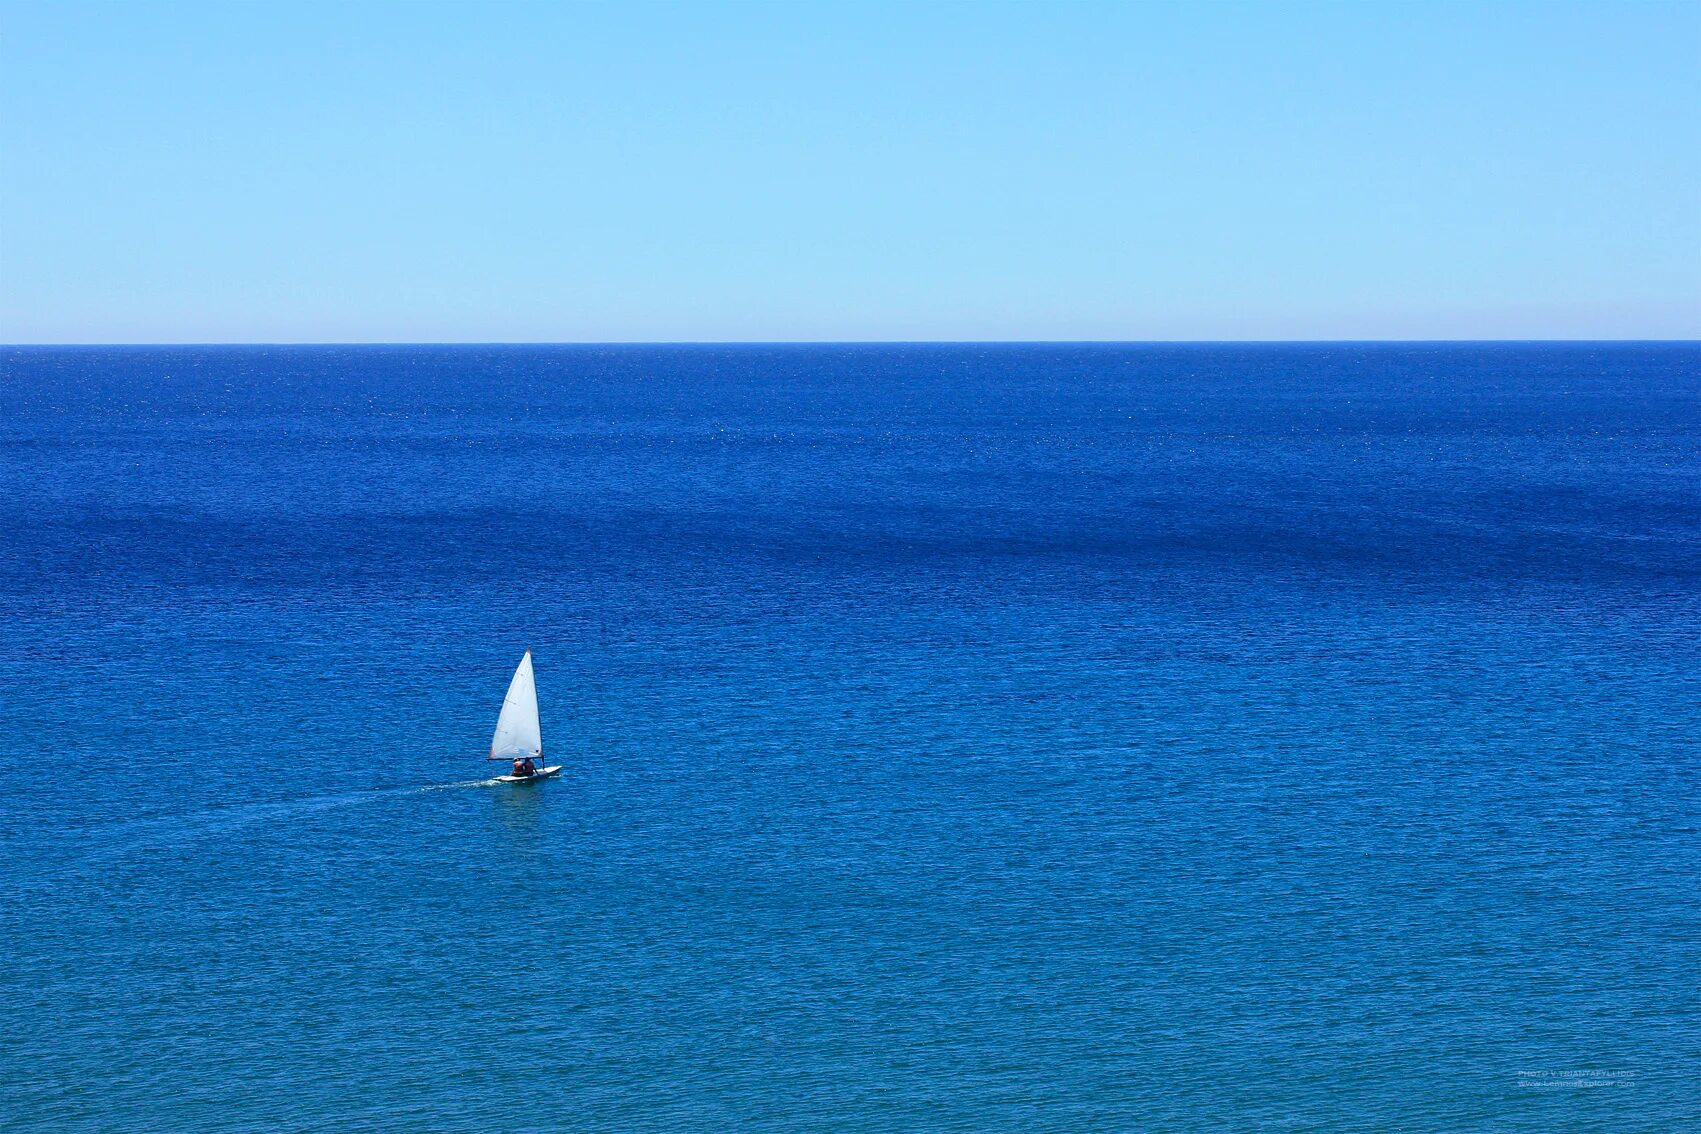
843,342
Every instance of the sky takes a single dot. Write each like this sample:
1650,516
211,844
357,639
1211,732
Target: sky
503,171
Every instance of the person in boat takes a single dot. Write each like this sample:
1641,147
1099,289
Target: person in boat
525,767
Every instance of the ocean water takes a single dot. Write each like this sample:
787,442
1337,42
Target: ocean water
957,738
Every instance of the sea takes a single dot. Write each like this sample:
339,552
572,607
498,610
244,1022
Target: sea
982,738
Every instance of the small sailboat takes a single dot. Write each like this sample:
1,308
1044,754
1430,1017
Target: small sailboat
518,737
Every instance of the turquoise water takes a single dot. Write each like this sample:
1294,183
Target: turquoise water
956,738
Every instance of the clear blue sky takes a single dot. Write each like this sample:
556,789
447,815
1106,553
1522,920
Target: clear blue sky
505,171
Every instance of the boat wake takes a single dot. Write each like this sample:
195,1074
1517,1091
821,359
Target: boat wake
100,848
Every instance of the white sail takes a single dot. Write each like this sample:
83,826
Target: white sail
517,732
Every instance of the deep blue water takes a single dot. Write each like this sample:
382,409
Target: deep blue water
1005,738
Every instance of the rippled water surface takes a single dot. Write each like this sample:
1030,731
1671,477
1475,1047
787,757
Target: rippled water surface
957,738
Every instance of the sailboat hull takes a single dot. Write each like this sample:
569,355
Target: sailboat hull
540,774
